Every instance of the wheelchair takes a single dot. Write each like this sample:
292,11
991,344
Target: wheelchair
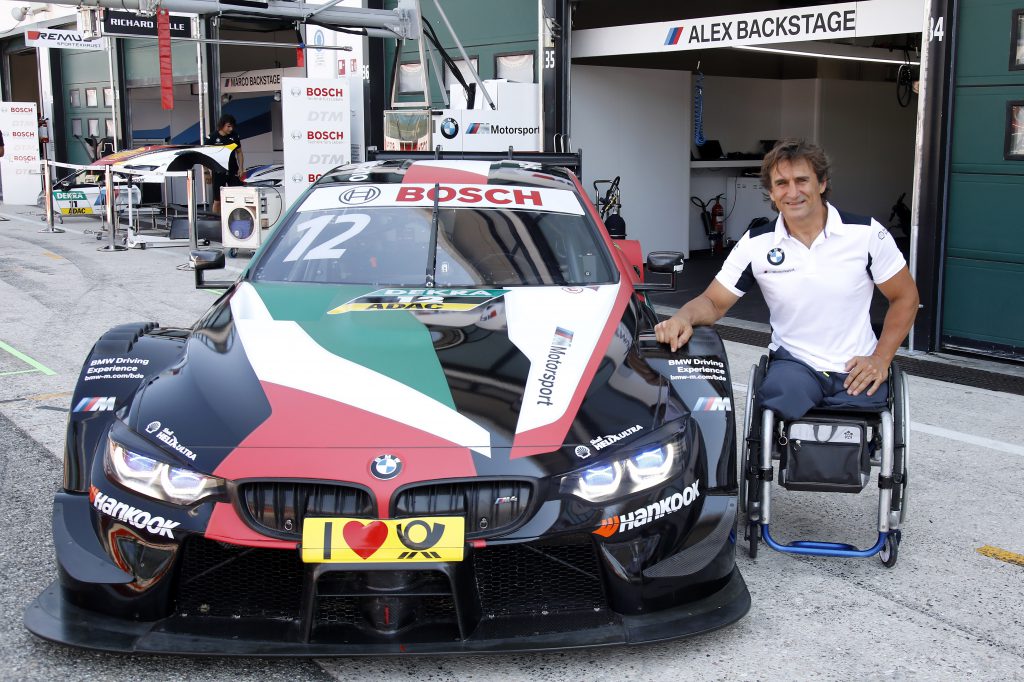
830,449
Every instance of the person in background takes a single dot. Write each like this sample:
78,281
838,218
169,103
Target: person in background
227,135
817,267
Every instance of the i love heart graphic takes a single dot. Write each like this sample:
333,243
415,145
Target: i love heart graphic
366,539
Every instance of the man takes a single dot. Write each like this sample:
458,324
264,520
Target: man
816,267
226,135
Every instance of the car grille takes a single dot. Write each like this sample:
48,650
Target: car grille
518,589
490,507
278,507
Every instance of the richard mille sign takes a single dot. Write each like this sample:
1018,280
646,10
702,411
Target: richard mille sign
120,23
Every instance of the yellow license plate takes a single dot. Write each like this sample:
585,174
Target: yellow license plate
360,541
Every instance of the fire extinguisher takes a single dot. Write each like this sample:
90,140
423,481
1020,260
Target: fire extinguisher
718,223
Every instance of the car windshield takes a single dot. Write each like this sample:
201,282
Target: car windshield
475,246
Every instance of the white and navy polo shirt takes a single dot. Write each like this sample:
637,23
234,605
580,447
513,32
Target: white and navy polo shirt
818,298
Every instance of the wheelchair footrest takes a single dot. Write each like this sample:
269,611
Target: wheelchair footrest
815,548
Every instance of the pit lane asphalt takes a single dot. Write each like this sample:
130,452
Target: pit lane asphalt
944,612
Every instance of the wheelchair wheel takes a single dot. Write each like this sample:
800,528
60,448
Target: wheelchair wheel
901,417
753,536
890,550
748,420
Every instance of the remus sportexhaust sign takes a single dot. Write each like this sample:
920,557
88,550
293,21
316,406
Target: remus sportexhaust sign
117,22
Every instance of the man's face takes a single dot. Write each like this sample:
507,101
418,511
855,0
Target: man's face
795,190
226,130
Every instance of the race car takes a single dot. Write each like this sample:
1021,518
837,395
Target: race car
431,416
84,191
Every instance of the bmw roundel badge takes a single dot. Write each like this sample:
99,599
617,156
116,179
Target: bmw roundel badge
449,128
776,256
385,467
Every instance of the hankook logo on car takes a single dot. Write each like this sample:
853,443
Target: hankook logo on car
652,512
125,513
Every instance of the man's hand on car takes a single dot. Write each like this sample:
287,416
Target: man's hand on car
674,331
865,371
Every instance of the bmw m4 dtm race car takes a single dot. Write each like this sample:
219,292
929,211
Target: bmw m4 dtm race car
430,416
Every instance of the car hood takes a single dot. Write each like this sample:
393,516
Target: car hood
499,373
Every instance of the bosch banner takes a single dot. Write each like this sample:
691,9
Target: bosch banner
317,125
19,167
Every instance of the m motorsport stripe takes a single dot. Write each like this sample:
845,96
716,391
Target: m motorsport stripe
541,437
674,34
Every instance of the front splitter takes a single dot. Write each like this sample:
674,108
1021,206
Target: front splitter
52,617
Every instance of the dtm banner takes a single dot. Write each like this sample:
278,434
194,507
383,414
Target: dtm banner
315,112
19,167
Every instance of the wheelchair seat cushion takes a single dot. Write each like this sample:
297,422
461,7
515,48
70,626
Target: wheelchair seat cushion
791,388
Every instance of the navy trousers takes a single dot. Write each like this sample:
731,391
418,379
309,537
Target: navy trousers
791,387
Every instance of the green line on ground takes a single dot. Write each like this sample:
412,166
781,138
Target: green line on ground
26,359
23,371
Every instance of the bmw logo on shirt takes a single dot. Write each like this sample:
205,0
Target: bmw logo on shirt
776,256
386,467
449,128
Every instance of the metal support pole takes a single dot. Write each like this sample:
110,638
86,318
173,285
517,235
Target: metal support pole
48,199
114,91
462,51
111,215
190,193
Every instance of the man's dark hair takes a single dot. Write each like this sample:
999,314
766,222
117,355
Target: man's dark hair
224,120
795,149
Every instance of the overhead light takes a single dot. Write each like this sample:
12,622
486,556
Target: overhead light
20,13
225,98
822,55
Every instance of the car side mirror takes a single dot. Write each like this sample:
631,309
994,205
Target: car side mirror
208,259
666,263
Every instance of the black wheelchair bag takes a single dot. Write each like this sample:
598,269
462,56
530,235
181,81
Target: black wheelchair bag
825,454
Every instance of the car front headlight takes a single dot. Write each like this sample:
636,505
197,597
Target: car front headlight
161,481
640,470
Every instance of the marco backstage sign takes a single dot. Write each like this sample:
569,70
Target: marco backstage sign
119,23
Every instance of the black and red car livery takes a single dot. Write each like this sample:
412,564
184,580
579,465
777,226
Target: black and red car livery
431,416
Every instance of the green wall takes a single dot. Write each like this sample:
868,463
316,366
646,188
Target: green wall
486,28
84,71
984,260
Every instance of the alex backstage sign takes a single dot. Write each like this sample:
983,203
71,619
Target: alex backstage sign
818,22
120,23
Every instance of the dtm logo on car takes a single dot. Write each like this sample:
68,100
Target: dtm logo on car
125,513
652,512
90,404
559,345
713,405
601,442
